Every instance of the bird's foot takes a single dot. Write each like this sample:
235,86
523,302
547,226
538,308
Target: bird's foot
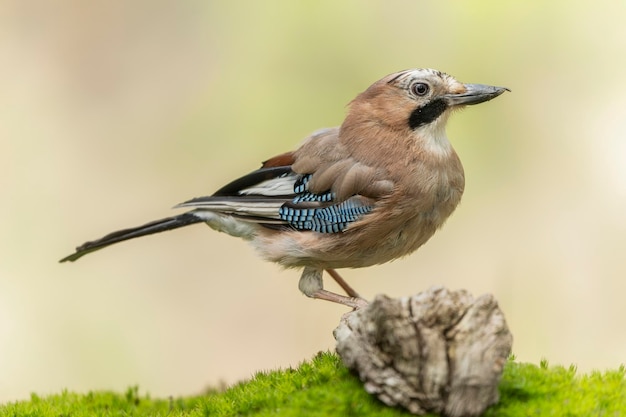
352,302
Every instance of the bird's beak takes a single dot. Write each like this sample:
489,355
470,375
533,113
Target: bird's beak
474,94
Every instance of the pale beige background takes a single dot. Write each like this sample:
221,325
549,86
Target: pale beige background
112,112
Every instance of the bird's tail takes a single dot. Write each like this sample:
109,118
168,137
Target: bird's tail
156,226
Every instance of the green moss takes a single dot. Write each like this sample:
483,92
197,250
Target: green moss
529,390
323,386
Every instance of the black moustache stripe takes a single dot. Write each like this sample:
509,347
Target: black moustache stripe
427,113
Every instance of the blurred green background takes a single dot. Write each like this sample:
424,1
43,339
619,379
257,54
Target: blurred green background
111,112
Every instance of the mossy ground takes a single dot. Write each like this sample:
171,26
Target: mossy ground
324,387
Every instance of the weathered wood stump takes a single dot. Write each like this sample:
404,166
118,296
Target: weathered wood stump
437,351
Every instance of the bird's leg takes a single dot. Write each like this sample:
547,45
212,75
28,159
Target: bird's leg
342,283
312,286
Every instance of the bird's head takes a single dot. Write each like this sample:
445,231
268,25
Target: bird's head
417,100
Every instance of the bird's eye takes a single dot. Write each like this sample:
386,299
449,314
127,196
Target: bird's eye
420,89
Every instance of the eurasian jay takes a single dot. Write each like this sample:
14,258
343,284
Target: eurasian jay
372,190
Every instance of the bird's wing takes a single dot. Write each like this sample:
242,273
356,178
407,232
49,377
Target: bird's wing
280,193
333,166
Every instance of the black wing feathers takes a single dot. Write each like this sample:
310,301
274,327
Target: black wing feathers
255,177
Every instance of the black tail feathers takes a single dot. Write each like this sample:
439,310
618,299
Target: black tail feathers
156,226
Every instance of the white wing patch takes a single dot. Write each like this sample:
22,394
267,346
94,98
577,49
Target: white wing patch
282,185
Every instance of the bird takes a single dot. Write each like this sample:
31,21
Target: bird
367,192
